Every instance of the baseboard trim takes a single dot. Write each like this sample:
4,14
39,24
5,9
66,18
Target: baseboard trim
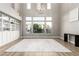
39,37
72,42
61,38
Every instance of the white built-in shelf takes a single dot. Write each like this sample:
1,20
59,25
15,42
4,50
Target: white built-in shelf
8,23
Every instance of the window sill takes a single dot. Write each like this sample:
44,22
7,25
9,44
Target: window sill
38,34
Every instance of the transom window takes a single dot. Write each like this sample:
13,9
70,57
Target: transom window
38,24
48,5
38,19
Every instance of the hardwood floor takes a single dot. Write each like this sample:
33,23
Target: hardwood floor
75,50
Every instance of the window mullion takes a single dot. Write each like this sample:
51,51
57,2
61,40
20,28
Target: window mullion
45,25
32,24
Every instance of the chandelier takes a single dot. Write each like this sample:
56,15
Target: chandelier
41,7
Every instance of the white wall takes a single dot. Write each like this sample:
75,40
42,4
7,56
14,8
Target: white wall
8,36
6,8
66,25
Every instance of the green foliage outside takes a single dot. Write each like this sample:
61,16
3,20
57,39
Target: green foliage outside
37,28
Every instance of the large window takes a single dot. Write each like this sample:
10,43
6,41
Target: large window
38,24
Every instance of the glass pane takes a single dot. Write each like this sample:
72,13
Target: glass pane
38,19
48,18
38,27
48,5
28,5
29,23
28,18
48,27
28,27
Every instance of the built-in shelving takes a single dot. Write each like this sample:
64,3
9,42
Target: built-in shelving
8,23
12,24
0,22
8,28
17,25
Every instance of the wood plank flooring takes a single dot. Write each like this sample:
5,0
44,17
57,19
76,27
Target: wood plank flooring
75,50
